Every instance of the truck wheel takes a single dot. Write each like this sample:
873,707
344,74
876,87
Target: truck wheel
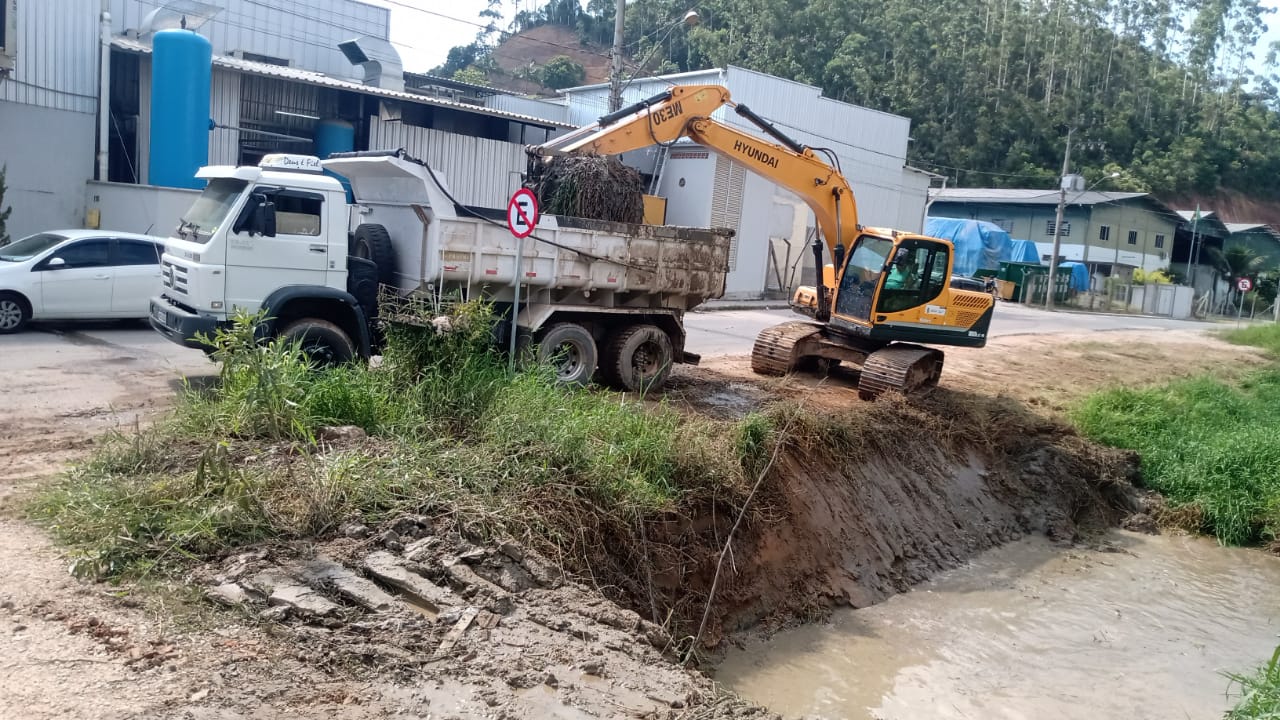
323,343
640,358
14,313
373,242
571,351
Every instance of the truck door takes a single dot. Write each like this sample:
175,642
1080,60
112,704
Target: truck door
298,254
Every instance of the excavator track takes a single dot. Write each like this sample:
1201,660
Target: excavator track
775,350
901,368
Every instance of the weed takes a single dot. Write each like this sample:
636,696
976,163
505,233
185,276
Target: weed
1266,337
1259,693
1203,443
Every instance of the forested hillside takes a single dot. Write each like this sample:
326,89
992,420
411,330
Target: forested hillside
1159,90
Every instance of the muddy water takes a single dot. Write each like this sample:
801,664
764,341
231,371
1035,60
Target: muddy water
1032,631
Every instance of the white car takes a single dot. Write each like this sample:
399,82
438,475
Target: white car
77,275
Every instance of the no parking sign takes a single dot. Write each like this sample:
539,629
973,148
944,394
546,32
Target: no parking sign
522,213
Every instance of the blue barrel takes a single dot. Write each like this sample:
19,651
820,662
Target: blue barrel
181,77
334,136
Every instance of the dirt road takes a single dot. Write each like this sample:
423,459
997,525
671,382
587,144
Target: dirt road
71,649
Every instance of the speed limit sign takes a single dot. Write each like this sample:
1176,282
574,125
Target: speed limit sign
1244,284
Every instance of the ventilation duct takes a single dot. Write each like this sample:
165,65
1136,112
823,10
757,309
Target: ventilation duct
378,59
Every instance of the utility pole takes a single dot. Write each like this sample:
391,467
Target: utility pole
1057,225
615,72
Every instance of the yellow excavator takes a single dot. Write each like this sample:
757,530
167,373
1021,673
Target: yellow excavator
883,290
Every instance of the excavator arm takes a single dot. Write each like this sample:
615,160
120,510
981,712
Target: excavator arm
686,111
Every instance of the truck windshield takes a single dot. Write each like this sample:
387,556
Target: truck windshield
213,206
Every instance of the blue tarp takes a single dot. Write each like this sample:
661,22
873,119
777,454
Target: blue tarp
1079,275
979,244
1024,251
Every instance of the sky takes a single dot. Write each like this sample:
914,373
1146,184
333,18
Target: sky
424,30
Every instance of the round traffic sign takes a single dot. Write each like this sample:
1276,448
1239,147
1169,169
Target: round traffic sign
1244,284
522,213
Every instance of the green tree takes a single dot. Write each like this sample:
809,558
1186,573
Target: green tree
471,74
4,211
562,72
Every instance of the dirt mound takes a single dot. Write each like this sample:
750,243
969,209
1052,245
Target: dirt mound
490,630
865,502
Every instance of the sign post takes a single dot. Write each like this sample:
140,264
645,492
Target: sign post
1244,285
522,218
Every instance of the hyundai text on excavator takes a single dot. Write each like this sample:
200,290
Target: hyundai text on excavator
883,290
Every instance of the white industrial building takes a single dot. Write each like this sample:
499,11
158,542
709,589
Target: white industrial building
704,189
279,81
278,76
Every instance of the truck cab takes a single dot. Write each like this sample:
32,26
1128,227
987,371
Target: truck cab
271,238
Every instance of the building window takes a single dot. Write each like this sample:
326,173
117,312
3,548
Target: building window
8,34
1005,225
1066,228
1133,237
1160,242
1104,232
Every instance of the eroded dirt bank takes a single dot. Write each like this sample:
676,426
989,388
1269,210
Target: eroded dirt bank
863,502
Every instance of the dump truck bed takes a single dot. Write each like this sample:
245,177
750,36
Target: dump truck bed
567,261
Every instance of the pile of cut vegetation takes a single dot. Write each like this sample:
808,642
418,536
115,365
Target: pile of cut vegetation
595,187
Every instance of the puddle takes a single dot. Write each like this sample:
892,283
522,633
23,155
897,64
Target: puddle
1031,631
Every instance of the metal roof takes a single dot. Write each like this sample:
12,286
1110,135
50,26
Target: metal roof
1189,214
314,78
1030,196
1235,228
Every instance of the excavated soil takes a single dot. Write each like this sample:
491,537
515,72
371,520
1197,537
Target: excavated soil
420,618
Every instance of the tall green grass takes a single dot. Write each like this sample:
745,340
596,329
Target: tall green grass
1203,443
1259,693
450,428
1266,337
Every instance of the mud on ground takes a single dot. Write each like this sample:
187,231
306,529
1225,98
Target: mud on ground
930,483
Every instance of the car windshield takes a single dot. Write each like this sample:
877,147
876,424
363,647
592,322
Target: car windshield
29,247
210,210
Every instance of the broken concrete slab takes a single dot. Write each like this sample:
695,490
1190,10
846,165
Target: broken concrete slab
228,594
388,568
465,576
282,589
361,591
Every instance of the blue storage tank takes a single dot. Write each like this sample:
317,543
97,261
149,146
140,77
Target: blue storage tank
181,76
334,136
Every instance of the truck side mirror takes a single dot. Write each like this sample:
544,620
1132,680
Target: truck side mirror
264,216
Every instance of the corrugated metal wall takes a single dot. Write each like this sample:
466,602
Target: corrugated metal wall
224,145
528,106
307,32
56,56
478,171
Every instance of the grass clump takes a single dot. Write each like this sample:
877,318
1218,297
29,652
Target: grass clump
1259,692
450,429
1203,443
1266,337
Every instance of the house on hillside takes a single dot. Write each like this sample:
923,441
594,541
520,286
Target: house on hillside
770,252
1113,233
301,76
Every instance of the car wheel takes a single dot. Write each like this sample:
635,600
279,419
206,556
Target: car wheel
323,343
571,351
14,313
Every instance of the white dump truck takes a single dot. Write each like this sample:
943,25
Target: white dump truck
603,300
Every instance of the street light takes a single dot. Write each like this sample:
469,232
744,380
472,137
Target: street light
616,86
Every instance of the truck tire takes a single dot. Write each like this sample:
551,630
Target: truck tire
323,343
14,312
571,351
639,358
373,242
